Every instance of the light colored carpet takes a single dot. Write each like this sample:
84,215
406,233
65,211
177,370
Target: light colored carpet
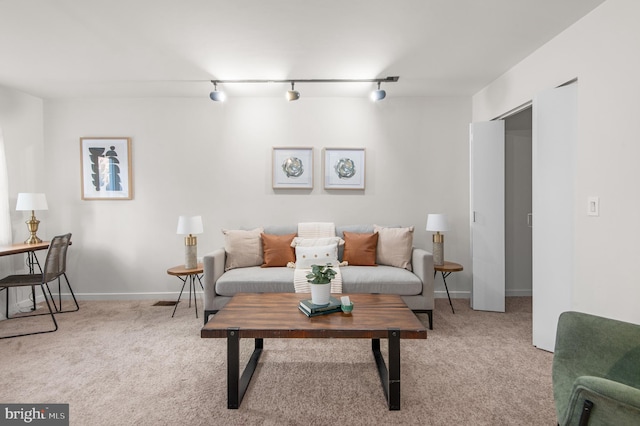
130,363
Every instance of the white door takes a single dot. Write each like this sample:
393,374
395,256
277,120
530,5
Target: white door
486,144
554,139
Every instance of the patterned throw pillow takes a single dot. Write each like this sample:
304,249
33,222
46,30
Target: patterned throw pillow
322,241
316,255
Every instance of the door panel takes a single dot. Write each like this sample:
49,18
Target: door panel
554,139
486,142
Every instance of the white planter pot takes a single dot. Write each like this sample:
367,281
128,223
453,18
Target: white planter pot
320,293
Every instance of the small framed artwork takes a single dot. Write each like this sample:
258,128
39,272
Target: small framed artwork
106,168
292,168
344,168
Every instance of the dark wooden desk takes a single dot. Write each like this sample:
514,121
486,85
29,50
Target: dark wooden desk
23,248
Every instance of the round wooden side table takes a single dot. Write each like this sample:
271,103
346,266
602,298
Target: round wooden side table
446,269
185,275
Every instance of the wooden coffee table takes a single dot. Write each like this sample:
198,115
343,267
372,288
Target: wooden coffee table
276,315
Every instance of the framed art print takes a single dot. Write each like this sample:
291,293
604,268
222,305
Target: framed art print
292,168
344,168
106,168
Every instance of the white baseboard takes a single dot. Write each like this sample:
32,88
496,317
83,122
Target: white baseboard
172,295
25,304
442,294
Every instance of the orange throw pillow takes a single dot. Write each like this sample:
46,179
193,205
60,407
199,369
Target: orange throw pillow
277,250
360,249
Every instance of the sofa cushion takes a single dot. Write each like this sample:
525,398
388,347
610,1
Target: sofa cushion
395,246
382,279
255,280
360,249
277,250
243,248
281,229
358,229
355,279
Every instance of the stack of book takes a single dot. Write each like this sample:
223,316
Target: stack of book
312,310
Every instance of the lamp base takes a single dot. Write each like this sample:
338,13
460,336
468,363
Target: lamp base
191,257
438,253
32,226
33,239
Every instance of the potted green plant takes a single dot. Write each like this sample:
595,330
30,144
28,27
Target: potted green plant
320,282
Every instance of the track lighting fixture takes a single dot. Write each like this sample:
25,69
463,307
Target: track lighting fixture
378,95
215,95
293,95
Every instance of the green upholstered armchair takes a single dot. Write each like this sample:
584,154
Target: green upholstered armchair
596,371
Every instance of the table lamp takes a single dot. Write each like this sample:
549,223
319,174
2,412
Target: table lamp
189,225
32,201
437,223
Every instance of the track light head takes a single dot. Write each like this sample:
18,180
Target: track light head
216,95
378,95
293,95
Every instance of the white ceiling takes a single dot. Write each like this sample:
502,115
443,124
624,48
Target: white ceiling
140,48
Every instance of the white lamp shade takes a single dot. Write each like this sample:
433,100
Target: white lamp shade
190,225
437,223
31,201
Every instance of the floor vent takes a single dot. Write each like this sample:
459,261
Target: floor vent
165,303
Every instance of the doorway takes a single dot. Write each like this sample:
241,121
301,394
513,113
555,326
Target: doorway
518,203
554,137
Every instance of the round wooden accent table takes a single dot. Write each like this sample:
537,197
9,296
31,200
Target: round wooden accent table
185,275
446,269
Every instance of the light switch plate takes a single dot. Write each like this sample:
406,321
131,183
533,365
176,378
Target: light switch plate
593,206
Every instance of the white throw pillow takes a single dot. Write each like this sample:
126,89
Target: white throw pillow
316,255
395,246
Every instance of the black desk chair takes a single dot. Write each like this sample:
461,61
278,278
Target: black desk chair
63,273
54,267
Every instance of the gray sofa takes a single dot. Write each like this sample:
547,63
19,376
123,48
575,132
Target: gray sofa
415,287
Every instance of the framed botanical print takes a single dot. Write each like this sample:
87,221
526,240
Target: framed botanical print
106,172
344,168
292,168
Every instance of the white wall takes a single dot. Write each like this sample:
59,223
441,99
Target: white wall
601,51
194,156
21,121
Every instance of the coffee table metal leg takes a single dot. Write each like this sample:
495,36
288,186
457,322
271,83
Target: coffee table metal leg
394,369
233,368
390,378
236,385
